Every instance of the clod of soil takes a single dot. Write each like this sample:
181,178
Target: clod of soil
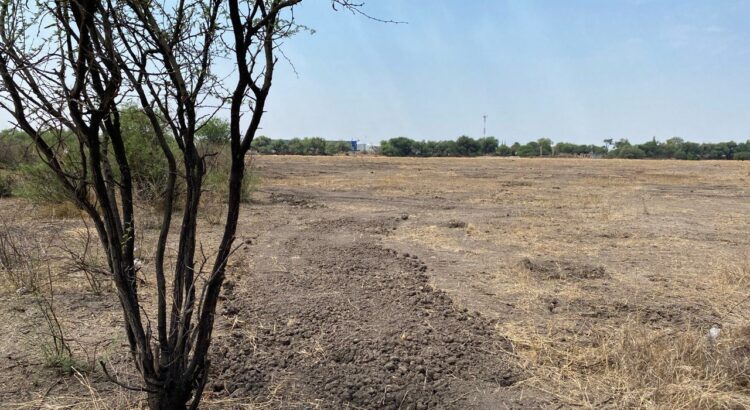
552,269
293,200
456,224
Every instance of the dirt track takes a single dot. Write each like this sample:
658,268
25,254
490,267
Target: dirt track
327,316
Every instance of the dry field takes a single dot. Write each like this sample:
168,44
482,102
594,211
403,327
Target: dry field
368,282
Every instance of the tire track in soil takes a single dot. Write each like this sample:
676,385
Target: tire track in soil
352,325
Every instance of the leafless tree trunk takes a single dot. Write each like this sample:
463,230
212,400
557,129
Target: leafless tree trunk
66,66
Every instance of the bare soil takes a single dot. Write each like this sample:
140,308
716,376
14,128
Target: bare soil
334,319
442,283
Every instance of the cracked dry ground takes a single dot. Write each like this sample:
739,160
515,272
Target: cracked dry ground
320,314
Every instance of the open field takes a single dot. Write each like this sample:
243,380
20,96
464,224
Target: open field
370,282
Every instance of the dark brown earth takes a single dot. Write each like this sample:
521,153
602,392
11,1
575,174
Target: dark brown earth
334,319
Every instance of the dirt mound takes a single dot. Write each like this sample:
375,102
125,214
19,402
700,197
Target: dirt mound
293,200
553,269
454,223
376,225
354,327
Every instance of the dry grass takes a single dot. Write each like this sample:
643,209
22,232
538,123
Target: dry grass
64,210
671,235
213,212
91,399
631,366
625,359
21,259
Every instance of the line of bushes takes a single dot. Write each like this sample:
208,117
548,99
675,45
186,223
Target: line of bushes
297,146
464,146
24,174
677,148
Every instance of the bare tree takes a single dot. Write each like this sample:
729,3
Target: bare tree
66,69
59,73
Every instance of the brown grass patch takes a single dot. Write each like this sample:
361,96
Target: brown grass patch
630,366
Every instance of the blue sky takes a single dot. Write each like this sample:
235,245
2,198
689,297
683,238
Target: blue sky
578,71
570,70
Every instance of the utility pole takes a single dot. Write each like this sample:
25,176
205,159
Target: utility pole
484,125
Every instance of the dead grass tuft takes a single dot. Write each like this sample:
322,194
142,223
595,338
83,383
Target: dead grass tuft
632,366
62,210
20,260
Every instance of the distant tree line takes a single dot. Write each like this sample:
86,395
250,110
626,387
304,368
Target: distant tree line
464,146
15,148
676,148
303,146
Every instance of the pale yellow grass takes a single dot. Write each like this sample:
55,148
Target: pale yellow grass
643,221
628,364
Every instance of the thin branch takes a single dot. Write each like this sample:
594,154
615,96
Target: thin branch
123,385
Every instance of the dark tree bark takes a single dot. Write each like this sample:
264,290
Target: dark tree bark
66,68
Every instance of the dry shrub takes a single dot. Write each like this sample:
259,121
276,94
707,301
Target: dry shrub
213,212
7,185
216,180
736,274
633,366
152,192
20,259
58,210
149,220
84,255
38,184
25,267
55,346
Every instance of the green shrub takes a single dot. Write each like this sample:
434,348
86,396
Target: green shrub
487,145
63,362
628,152
40,185
741,156
279,147
15,149
216,180
262,144
530,149
214,131
397,147
504,151
148,165
55,346
337,147
467,146
296,147
314,146
6,185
